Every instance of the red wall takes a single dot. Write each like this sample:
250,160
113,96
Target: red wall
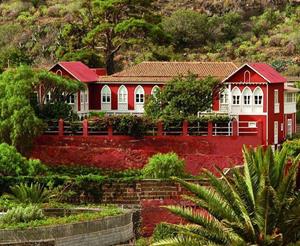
239,76
122,152
95,94
278,116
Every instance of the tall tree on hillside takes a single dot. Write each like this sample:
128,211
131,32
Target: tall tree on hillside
112,23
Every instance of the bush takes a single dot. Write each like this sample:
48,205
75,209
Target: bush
163,166
293,147
163,231
12,163
56,110
21,214
33,193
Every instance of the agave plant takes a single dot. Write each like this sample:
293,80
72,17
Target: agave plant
256,205
33,193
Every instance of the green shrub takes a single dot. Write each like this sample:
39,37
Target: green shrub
21,214
33,193
162,166
12,163
293,147
163,231
56,110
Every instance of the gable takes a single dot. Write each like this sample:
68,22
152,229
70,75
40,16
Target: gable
57,68
245,74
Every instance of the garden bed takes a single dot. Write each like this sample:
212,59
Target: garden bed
80,226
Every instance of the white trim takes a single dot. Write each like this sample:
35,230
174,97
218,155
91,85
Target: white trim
267,116
238,69
249,76
67,71
250,94
135,93
258,88
132,83
123,86
101,93
154,88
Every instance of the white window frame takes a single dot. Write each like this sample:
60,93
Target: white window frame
224,96
258,92
105,93
276,132
289,127
122,97
139,95
247,96
276,102
236,96
247,73
155,89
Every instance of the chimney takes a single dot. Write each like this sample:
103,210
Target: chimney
99,71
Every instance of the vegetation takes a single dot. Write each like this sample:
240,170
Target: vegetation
181,97
29,194
163,166
13,163
115,33
22,215
258,205
19,121
293,147
33,217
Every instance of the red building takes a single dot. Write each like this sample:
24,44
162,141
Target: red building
254,92
257,92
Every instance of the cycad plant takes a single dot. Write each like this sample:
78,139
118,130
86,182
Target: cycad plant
256,205
33,193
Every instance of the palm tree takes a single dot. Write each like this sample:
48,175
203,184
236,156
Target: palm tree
256,205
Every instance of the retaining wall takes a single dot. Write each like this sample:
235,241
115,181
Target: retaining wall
102,232
123,152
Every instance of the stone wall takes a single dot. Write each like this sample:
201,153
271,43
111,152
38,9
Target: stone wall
102,232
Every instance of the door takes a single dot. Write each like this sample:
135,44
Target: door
275,132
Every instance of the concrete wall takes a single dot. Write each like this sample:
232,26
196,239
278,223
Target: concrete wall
102,232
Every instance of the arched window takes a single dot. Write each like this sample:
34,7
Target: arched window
155,90
139,94
122,94
236,96
246,76
247,95
59,72
258,96
105,94
224,96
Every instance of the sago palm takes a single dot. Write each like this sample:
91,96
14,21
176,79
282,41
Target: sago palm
33,193
256,205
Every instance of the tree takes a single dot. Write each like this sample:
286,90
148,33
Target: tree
19,124
182,96
112,23
189,28
258,205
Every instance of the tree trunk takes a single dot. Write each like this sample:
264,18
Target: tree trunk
110,64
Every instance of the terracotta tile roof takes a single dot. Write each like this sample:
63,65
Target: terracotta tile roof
148,72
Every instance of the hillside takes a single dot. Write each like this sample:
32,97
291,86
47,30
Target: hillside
40,33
